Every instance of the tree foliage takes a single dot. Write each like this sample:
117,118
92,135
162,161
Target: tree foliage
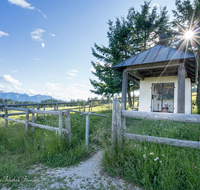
126,37
186,16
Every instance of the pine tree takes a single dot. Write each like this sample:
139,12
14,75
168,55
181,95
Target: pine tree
126,37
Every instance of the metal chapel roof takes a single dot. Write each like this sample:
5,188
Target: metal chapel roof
158,53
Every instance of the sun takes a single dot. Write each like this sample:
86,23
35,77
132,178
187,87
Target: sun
189,34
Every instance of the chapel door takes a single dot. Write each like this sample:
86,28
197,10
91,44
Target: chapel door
162,99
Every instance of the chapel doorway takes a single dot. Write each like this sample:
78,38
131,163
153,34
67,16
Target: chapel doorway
162,97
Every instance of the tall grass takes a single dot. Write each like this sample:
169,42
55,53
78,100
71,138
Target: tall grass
155,166
19,150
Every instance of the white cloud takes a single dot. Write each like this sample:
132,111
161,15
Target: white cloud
14,71
30,92
6,88
16,87
1,60
77,84
37,59
3,34
53,35
72,74
74,71
8,79
155,5
43,45
21,3
53,86
92,69
37,34
69,78
42,13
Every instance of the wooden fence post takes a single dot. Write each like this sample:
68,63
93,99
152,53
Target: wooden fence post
87,131
37,113
117,132
56,106
68,126
84,107
123,121
60,123
44,110
6,116
114,122
33,119
91,105
27,120
119,125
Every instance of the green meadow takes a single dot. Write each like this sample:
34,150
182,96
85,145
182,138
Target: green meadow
147,165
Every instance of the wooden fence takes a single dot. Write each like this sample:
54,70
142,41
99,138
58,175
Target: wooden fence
119,126
59,113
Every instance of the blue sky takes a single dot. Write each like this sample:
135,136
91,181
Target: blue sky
45,46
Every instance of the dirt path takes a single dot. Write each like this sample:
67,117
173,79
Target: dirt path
86,175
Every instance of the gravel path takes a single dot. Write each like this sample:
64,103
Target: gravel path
86,175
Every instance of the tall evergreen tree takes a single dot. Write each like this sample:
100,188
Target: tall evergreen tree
187,17
126,37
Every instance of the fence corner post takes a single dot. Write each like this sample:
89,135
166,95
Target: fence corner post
87,131
60,123
33,120
68,126
6,116
27,120
116,123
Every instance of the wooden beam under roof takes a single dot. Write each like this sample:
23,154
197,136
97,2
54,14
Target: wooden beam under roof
152,66
136,74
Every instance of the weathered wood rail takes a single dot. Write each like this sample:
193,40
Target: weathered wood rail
86,104
59,113
119,126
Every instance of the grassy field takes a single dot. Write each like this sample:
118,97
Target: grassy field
156,166
19,151
148,165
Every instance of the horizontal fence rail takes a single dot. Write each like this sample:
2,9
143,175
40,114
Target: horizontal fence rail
59,113
119,126
160,140
162,116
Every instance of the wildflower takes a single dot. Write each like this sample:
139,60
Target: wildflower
157,158
144,155
163,155
160,161
145,148
151,153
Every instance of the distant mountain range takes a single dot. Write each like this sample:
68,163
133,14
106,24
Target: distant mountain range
23,97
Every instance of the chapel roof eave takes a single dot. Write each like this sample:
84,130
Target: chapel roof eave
160,56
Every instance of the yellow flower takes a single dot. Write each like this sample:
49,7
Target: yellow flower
151,153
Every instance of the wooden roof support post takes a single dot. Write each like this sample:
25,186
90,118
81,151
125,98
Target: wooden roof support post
181,89
124,89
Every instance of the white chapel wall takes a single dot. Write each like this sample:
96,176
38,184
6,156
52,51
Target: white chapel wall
145,92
